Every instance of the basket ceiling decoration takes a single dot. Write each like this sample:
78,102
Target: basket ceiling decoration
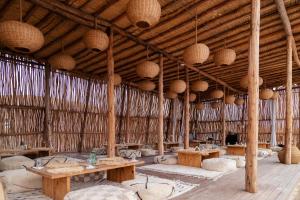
275,95
117,79
217,94
266,94
196,54
229,99
144,13
146,85
244,82
171,94
62,61
200,106
147,69
96,40
215,105
224,57
199,86
192,97
21,37
178,86
239,101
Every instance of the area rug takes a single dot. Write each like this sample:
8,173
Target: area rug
179,186
185,171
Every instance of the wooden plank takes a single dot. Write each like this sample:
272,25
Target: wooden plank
161,107
56,188
47,120
121,174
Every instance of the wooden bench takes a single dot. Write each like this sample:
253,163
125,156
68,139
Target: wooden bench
194,158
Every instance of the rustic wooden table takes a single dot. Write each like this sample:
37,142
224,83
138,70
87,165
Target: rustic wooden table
239,150
194,158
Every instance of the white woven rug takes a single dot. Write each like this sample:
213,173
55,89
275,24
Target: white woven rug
185,171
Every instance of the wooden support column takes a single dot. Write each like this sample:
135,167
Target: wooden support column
148,120
161,107
224,120
253,96
47,121
128,114
111,136
289,102
187,111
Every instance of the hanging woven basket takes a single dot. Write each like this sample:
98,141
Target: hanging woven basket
21,37
200,106
178,86
144,13
239,101
146,85
244,82
224,57
266,94
196,54
147,69
117,79
275,95
215,105
229,99
171,95
192,97
217,94
62,61
96,40
199,86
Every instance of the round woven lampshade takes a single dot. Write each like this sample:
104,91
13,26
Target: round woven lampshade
146,85
239,101
200,106
178,86
224,57
266,94
144,13
215,105
117,79
244,82
196,54
62,61
96,40
217,94
229,99
275,95
21,37
147,69
199,86
192,97
171,95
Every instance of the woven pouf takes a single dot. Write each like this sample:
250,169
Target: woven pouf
295,155
154,191
219,164
15,162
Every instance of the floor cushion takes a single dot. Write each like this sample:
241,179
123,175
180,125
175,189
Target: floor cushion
219,164
166,159
129,153
15,162
20,180
155,191
148,152
101,192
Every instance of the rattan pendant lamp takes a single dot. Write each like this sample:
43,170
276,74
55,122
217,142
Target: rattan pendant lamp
192,97
96,39
229,99
199,105
178,86
144,13
244,82
147,69
171,95
199,86
224,57
198,53
216,93
62,61
19,36
266,94
215,105
146,85
239,101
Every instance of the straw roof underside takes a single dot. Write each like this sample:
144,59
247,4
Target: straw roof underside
220,23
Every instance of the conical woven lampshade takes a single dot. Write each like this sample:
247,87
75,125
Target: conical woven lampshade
229,99
244,82
146,85
266,94
96,40
224,57
147,69
217,94
200,106
171,95
117,79
192,97
178,86
215,105
239,101
62,61
199,86
275,95
196,54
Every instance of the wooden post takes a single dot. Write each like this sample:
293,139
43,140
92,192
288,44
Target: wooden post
289,103
128,114
110,99
47,122
161,107
224,120
148,120
187,112
253,96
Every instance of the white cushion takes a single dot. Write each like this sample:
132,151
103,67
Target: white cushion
15,162
264,152
166,159
155,191
20,180
101,192
219,164
148,152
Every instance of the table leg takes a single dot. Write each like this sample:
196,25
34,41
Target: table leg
121,174
56,188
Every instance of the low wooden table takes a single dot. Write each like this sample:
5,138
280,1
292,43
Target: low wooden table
168,145
57,185
133,146
194,143
239,150
194,158
264,145
31,153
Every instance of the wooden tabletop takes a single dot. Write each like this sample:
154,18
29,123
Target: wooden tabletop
126,144
43,172
237,146
203,152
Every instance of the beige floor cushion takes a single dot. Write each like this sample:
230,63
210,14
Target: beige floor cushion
166,159
20,180
148,152
101,192
219,164
155,191
15,162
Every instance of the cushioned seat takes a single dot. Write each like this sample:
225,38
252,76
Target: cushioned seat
101,192
219,164
166,159
129,153
15,162
154,191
